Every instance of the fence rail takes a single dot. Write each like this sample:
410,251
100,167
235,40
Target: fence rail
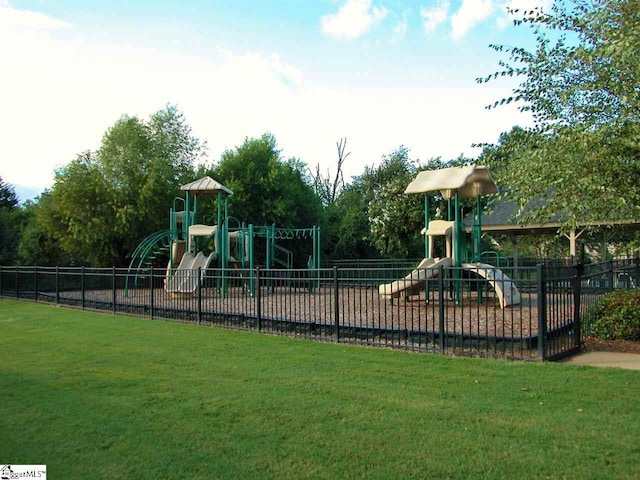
449,310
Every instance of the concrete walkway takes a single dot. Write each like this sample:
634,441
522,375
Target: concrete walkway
630,361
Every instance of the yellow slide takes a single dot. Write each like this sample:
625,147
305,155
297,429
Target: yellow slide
185,278
505,288
428,268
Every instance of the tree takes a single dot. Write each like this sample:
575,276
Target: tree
395,219
9,224
582,85
103,203
348,234
37,245
266,188
326,187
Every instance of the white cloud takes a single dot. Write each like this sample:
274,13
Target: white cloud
433,17
400,30
471,12
353,19
13,18
60,93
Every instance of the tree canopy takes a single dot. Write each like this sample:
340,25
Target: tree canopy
582,85
103,203
9,224
266,188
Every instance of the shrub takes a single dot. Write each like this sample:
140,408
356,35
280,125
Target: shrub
616,316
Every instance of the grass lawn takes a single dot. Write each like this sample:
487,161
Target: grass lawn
100,396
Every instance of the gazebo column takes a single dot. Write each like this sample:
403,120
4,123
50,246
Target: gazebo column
573,237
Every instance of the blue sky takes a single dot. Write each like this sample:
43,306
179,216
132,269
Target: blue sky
382,73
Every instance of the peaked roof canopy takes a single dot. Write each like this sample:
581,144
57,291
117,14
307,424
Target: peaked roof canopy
206,186
470,181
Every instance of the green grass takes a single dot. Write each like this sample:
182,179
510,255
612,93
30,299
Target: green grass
100,396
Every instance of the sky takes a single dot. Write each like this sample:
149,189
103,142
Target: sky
380,73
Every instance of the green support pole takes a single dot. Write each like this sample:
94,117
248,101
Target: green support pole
219,225
318,254
477,242
251,262
457,249
426,226
268,246
225,246
195,209
186,220
319,249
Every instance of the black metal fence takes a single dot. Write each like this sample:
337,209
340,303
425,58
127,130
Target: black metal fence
457,311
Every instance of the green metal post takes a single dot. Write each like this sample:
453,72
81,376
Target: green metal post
426,226
457,248
186,220
195,209
251,262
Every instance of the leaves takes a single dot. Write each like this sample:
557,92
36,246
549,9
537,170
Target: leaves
582,85
103,203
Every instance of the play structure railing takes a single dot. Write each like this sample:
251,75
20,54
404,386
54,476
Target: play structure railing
450,311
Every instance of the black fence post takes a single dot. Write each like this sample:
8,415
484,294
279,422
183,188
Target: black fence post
57,285
258,301
336,307
441,326
610,275
82,286
113,290
151,293
542,309
35,283
200,294
1,286
17,283
577,297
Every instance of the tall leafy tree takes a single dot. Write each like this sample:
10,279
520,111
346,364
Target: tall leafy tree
395,219
582,85
9,224
103,203
266,188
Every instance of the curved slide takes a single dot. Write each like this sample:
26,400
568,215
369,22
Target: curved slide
428,268
504,287
185,277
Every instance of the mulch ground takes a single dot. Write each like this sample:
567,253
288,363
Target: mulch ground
592,344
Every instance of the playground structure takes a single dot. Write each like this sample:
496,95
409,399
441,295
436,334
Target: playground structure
454,184
229,244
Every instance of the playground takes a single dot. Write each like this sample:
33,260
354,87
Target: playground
220,270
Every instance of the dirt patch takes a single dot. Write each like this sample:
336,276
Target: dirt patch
592,344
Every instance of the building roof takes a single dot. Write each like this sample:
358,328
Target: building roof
500,216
